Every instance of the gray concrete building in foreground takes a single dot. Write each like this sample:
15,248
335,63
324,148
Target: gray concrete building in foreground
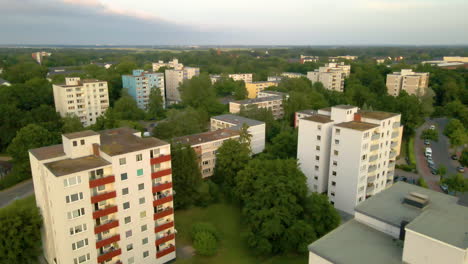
403,224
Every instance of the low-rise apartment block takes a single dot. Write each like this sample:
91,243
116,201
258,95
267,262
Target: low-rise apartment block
338,58
272,103
275,78
174,78
332,76
349,153
206,146
173,64
455,59
403,224
105,197
253,88
87,99
303,59
234,122
414,83
302,114
140,84
293,75
246,77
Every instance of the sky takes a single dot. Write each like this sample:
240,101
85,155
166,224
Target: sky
239,22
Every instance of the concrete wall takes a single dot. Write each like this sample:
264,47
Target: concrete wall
378,225
316,259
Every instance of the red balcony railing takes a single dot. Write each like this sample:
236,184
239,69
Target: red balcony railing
105,211
164,239
163,213
109,255
166,251
160,159
102,197
163,227
107,241
161,187
105,227
101,181
161,173
163,200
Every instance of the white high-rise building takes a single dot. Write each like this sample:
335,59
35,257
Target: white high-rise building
87,99
173,64
105,198
174,78
349,154
332,76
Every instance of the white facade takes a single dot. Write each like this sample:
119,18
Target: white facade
272,103
348,154
174,64
87,99
292,75
105,198
332,76
174,78
246,77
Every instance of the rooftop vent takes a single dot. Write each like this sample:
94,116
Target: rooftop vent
417,200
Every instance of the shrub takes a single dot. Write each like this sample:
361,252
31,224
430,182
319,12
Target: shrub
410,149
205,243
204,227
422,182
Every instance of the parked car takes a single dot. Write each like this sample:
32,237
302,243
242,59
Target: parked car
444,188
404,179
429,158
427,142
432,127
430,162
412,181
428,152
434,171
396,178
461,169
454,157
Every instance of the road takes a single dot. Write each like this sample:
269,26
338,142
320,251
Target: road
18,191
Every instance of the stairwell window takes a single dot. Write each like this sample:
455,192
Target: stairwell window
139,157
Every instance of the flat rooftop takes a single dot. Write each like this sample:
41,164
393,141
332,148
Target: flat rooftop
48,152
308,111
238,120
122,140
356,243
379,115
258,100
319,118
85,133
356,125
274,92
206,137
68,166
346,107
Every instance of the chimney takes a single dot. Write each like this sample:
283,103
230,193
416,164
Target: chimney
96,149
357,117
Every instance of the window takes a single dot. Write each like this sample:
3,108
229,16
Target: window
332,193
75,143
337,141
82,142
82,259
319,137
144,241
142,214
316,177
337,131
316,168
139,172
317,147
364,157
335,152
144,228
319,127
366,135
124,191
123,176
141,186
334,173
335,163
332,202
122,161
333,183
74,197
78,229
139,157
72,181
128,233
145,254
129,247
75,213
80,244
127,219
141,200
126,205
131,260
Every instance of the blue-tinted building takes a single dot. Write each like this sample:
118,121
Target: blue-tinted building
140,83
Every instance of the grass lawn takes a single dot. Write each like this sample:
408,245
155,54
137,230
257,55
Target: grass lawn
411,154
232,249
403,148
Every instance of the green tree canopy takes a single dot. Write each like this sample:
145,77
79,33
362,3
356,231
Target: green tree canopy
456,132
126,109
456,183
430,134
156,104
71,123
180,123
200,94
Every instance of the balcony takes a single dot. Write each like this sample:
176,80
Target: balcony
165,251
370,187
392,154
162,186
106,226
390,173
110,209
164,226
394,144
161,173
107,241
101,181
371,179
160,159
374,147
163,200
163,213
107,255
372,168
164,238
375,136
396,125
103,196
373,158
395,134
391,164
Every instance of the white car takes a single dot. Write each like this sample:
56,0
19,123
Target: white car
432,127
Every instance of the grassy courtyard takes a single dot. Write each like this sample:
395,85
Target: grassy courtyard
232,249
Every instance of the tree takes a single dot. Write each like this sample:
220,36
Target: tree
205,244
464,157
20,226
199,94
283,146
422,182
456,132
126,109
244,136
71,123
320,214
180,123
21,72
456,183
186,175
430,134
155,104
227,86
442,170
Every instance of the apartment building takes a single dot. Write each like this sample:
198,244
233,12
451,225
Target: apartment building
87,99
332,76
206,146
246,77
455,59
38,56
338,58
274,78
174,78
234,122
272,103
302,114
293,75
140,84
253,88
403,224
173,64
414,83
303,59
105,197
349,153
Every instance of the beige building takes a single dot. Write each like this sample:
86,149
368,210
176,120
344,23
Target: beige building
246,77
206,146
292,75
332,76
174,78
414,83
87,99
456,59
105,198
403,224
338,58
349,153
253,88
174,64
272,103
303,59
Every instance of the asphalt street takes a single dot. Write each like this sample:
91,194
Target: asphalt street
18,191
